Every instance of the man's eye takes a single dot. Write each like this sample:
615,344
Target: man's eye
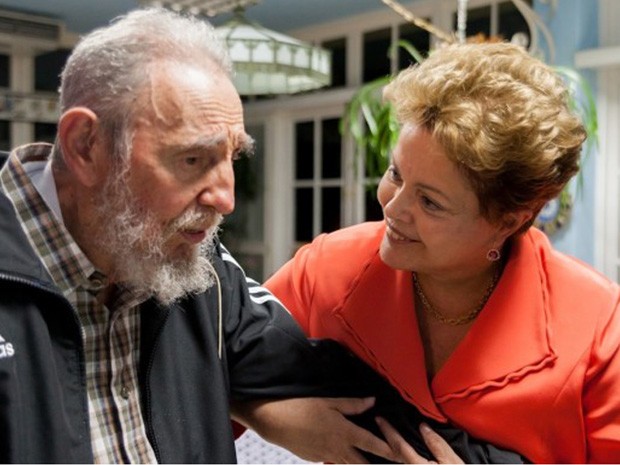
191,161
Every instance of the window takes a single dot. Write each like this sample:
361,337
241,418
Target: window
5,135
44,132
511,21
373,211
242,230
48,67
5,71
506,22
478,21
417,37
339,61
376,48
318,178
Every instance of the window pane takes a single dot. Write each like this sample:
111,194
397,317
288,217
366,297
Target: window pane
245,223
47,69
478,21
303,214
330,214
5,71
376,60
304,150
417,37
5,135
511,20
331,149
373,208
44,132
338,47
252,265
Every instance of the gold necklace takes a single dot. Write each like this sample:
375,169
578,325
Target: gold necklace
463,319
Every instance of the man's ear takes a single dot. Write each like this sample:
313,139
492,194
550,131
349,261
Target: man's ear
80,137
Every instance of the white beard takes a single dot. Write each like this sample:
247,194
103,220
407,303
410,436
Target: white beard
136,241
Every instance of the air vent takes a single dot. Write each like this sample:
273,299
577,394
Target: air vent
19,24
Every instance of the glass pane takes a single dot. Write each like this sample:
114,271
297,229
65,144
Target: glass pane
478,21
47,69
511,21
303,214
376,59
331,149
338,47
5,71
44,132
5,136
417,37
373,207
304,150
246,221
330,213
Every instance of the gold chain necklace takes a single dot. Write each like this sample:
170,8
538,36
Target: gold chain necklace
463,319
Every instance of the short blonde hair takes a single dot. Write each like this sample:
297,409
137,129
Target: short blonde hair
501,115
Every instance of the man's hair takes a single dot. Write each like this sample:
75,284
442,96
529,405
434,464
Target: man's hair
110,66
501,115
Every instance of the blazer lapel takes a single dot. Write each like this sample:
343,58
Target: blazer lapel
511,336
379,316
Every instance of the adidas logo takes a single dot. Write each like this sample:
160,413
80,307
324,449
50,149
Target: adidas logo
6,349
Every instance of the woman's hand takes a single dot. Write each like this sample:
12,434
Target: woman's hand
314,429
440,449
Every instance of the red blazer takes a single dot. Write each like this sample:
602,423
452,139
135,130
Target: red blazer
538,373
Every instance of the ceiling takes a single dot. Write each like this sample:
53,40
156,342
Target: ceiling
81,16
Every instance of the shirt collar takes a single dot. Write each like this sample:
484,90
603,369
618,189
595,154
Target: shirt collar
29,183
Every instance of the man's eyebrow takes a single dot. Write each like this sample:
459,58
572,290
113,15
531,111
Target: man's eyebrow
202,143
246,144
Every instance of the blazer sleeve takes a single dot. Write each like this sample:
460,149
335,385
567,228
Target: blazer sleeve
601,399
293,285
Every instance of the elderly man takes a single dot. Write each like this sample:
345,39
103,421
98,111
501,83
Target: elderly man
126,328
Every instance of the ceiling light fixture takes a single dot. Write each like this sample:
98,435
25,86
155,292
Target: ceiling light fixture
265,62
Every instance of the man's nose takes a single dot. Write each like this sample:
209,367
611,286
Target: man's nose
219,189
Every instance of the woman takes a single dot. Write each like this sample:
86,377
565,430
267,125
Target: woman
454,298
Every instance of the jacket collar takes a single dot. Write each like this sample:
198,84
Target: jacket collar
17,259
516,316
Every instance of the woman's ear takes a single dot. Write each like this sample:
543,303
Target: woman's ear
512,222
80,138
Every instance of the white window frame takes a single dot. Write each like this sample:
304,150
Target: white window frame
606,61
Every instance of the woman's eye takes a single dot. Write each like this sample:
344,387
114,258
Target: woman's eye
393,173
430,205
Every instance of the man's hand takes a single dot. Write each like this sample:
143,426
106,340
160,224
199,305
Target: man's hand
440,449
314,429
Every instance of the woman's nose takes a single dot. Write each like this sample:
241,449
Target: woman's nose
398,206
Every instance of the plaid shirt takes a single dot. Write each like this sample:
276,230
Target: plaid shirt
110,333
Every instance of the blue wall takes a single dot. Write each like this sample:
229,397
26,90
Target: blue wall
574,27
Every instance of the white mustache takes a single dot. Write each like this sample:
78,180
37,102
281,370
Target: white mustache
195,220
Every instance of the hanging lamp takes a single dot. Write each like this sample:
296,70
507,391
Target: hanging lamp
265,62
268,62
